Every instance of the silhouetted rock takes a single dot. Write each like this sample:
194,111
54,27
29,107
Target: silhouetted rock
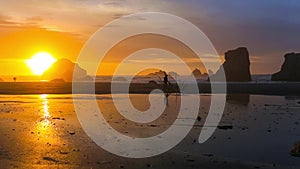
57,80
295,151
120,79
236,66
63,69
290,69
158,73
226,127
152,82
196,73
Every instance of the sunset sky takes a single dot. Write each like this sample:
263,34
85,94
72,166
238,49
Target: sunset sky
268,28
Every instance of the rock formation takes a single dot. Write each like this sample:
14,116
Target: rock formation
295,151
63,69
290,70
120,79
158,73
57,81
196,73
236,66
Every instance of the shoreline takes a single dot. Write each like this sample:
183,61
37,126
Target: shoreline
257,88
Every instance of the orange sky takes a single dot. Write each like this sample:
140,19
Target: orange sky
62,27
17,46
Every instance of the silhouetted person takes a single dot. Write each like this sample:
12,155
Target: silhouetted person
15,79
166,80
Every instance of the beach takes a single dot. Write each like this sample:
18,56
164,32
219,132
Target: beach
42,131
149,84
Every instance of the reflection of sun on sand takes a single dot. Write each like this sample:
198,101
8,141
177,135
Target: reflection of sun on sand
33,142
44,128
45,105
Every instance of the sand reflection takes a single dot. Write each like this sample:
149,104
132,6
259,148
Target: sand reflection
44,128
45,106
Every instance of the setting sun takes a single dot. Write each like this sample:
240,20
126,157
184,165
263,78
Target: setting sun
40,62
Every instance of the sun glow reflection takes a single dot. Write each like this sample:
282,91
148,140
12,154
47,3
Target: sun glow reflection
45,106
44,127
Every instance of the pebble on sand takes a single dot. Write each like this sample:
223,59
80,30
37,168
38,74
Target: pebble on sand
295,151
225,127
71,132
50,159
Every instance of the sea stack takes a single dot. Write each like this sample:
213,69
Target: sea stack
63,69
196,73
236,66
290,69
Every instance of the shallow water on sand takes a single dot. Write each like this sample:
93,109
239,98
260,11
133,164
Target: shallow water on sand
43,129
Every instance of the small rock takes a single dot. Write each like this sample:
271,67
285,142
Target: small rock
208,155
295,151
71,132
190,160
225,127
63,152
153,125
50,159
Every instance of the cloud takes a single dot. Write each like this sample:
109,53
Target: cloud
268,28
66,16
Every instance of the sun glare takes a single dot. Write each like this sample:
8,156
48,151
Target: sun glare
40,62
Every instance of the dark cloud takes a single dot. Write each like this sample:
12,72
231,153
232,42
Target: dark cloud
268,28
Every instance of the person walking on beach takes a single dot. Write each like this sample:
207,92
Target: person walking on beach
166,80
166,88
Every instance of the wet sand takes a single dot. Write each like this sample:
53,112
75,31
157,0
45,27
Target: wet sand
42,131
